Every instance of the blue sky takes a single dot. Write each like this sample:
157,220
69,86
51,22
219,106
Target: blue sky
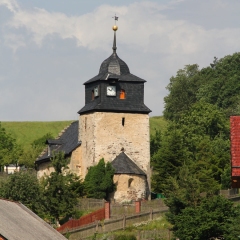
48,49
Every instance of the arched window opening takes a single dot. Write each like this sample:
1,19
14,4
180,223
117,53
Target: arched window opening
122,94
130,182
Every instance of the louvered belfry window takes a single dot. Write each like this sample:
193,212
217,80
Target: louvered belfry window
122,94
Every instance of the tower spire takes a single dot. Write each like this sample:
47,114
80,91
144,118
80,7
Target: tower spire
115,28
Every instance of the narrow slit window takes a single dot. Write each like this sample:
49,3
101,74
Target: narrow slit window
122,94
123,121
92,94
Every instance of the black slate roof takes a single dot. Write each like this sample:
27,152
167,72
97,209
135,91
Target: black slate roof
115,68
54,141
124,77
114,107
66,143
124,165
114,71
114,65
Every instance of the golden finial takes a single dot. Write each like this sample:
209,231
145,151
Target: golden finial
115,27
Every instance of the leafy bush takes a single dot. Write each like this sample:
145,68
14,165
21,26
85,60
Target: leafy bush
98,182
125,237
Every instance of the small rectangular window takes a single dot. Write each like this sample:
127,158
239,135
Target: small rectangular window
122,94
123,121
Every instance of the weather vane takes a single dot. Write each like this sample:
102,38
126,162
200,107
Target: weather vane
115,18
115,26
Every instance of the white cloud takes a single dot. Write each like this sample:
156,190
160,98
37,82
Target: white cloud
151,39
10,4
14,41
141,25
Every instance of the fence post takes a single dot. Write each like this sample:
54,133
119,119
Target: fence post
107,210
138,206
97,226
138,235
124,222
151,214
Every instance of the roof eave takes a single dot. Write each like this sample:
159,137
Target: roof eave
114,110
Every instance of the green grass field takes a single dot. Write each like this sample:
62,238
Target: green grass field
26,132
157,123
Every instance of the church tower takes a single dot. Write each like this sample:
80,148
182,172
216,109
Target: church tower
114,125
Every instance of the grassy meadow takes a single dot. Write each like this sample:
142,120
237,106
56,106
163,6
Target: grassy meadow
157,123
26,132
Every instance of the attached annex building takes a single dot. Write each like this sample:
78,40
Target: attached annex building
114,125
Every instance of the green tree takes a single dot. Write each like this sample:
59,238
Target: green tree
61,189
214,217
182,92
41,142
155,142
198,105
29,156
221,84
98,182
166,162
226,177
204,119
24,187
10,151
218,85
211,157
181,190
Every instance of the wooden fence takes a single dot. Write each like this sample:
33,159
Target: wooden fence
87,219
111,225
118,209
164,234
90,204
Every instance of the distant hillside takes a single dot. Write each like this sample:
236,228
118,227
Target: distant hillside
158,123
26,132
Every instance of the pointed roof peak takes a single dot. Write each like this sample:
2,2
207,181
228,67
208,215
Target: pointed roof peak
124,165
114,42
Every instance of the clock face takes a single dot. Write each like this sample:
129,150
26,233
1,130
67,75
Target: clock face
111,90
96,91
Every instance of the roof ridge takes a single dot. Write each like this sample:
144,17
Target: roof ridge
64,130
58,137
9,200
42,153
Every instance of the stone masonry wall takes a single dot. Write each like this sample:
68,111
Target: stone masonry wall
129,187
44,169
75,164
105,134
